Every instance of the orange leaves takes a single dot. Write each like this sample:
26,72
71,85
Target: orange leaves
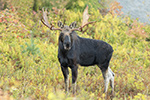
55,10
136,30
11,22
116,8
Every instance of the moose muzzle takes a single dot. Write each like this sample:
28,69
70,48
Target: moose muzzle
67,43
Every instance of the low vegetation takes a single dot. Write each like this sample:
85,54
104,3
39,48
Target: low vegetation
29,68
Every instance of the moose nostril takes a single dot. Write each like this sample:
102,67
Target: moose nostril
67,45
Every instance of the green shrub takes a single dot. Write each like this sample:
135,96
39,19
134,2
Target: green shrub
31,48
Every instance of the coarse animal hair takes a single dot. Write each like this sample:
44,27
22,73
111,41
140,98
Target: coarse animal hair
74,50
85,52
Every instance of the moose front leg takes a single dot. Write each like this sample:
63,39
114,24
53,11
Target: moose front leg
74,70
66,77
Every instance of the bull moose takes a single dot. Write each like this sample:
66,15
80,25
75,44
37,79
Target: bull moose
74,50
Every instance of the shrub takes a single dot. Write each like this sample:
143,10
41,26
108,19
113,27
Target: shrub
37,75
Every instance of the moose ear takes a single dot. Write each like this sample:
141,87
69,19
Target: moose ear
73,25
60,24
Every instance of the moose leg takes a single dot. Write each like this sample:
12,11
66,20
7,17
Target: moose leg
66,77
108,77
111,80
74,70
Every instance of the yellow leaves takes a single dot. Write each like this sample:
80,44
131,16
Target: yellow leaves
40,74
92,95
131,79
2,82
135,81
51,96
103,95
97,36
75,16
59,95
140,96
81,3
139,85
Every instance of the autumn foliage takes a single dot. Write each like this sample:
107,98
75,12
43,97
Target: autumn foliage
29,68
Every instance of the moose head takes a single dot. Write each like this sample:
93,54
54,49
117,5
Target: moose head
66,35
66,32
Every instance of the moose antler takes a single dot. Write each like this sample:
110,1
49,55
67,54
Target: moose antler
85,21
45,21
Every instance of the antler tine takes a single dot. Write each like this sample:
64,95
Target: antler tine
45,21
81,27
85,20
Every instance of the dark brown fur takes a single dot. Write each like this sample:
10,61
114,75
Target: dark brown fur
74,50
